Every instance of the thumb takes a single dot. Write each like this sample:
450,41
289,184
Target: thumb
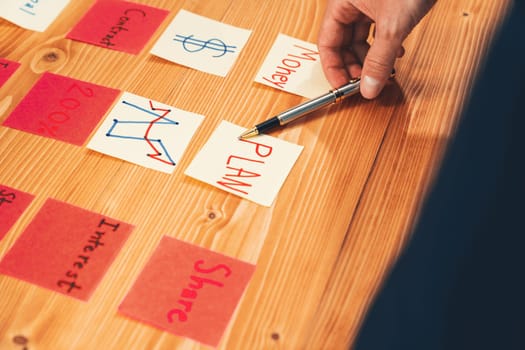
378,65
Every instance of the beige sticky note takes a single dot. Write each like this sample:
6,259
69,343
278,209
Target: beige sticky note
254,168
201,43
146,132
294,66
31,14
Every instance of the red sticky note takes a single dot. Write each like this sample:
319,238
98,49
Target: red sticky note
66,249
188,291
62,108
7,68
12,204
118,25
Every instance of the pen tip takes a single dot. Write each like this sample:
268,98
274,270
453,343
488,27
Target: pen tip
249,133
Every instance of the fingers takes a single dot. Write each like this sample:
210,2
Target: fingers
400,52
338,61
334,67
360,44
330,50
378,65
344,33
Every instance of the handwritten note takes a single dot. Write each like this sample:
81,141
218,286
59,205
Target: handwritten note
188,291
201,43
146,132
7,68
254,168
34,15
294,66
12,204
62,108
66,249
118,25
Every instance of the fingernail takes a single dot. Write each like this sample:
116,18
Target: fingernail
372,87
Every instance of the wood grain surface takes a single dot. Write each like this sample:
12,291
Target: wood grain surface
338,223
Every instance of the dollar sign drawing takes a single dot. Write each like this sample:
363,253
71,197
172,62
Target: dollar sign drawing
190,44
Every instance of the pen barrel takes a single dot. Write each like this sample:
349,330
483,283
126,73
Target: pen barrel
317,103
305,108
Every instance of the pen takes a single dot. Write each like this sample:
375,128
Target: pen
334,96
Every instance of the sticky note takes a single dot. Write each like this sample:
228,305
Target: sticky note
32,14
66,249
62,108
201,43
119,25
7,68
294,66
146,132
254,168
188,291
12,204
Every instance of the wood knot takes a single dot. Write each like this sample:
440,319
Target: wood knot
275,336
212,215
20,340
48,59
51,57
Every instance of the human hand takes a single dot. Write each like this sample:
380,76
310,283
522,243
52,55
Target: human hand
343,47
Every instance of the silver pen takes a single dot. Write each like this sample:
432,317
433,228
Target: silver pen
304,108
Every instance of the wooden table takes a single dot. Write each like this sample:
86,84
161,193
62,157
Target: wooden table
340,220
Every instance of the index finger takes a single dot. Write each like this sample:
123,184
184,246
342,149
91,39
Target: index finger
335,40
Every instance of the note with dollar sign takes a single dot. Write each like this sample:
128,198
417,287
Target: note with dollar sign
201,43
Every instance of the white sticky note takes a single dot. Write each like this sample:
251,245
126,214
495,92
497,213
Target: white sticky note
254,168
146,132
294,66
201,43
34,15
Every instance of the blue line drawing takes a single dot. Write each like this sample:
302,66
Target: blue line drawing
191,44
160,120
